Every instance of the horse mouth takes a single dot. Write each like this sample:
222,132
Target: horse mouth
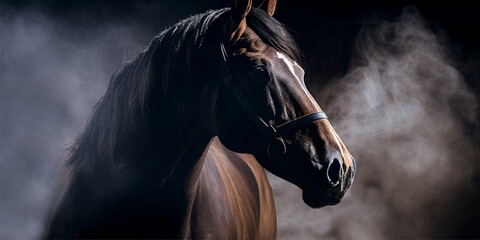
316,202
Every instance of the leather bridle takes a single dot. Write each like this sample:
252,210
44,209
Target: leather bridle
272,134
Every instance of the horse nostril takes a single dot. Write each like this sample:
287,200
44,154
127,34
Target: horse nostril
333,172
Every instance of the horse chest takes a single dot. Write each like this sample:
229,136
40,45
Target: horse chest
233,198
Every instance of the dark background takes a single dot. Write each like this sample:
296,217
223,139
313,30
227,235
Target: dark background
325,30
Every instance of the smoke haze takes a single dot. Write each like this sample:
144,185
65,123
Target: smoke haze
406,115
403,110
52,75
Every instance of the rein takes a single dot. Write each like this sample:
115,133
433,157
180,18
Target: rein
272,134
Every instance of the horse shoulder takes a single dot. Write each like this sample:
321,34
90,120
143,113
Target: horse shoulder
267,226
233,198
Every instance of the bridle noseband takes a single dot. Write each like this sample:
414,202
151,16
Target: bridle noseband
272,134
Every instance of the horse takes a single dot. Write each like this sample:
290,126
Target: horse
177,146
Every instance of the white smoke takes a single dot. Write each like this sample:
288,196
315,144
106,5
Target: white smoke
52,74
404,112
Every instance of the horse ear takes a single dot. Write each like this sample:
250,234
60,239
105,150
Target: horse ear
268,6
240,9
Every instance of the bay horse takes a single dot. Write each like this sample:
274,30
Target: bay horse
177,146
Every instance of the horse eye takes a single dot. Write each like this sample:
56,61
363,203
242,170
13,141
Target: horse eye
260,74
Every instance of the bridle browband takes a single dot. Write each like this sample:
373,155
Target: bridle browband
272,134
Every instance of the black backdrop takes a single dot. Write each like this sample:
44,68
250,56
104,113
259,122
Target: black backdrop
326,30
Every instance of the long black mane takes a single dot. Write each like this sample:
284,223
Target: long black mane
162,70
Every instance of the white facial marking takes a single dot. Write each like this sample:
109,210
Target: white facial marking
292,66
298,72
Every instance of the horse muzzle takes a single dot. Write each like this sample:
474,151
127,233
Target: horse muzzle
334,183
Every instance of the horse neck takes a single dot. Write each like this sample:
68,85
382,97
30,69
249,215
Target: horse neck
174,160
153,175
175,144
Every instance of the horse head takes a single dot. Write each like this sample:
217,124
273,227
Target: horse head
260,105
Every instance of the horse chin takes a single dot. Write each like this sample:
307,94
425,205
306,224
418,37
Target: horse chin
315,202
